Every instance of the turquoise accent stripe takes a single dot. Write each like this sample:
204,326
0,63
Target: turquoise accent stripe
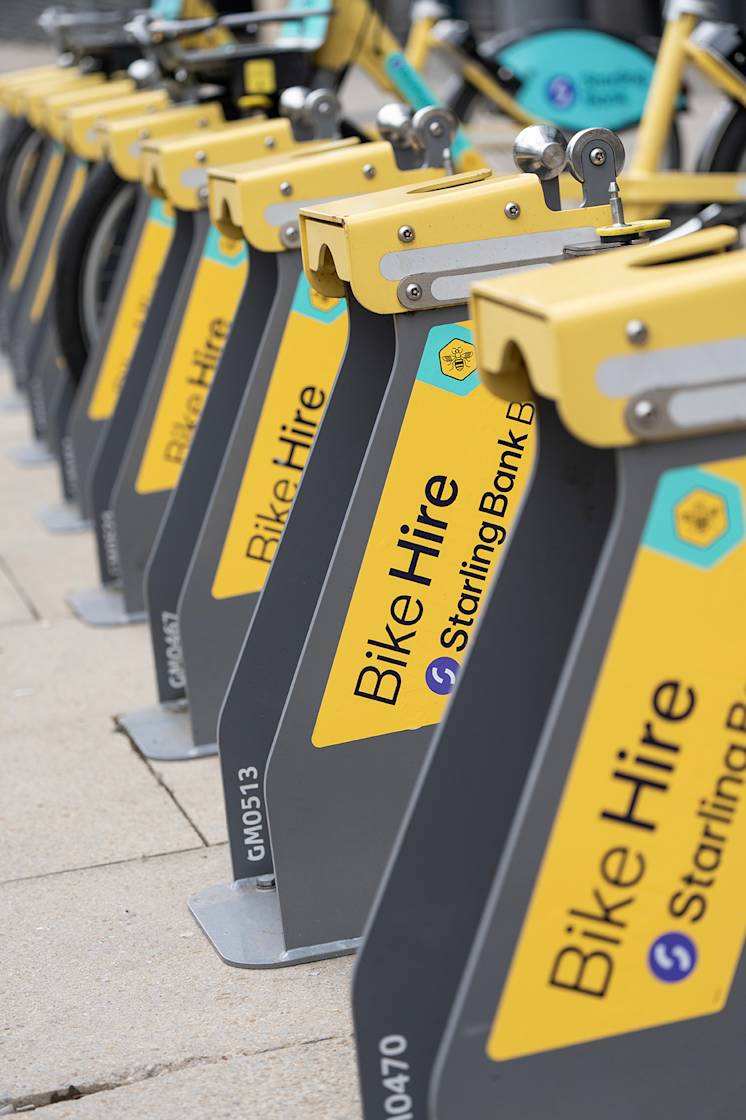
303,306
312,30
158,213
166,9
417,93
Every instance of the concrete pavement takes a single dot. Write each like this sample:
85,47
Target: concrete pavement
112,1002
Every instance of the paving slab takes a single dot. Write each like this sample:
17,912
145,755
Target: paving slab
73,791
198,788
316,1081
47,566
14,607
112,982
44,565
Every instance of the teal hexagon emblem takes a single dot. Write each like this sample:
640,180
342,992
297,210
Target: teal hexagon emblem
307,301
161,213
224,250
696,517
449,360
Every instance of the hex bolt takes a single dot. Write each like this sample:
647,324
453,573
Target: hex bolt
269,141
414,292
598,157
369,171
265,882
512,210
406,234
435,128
644,411
285,187
291,234
637,332
201,157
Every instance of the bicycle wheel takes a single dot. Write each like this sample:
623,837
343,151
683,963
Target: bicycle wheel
19,157
725,148
90,248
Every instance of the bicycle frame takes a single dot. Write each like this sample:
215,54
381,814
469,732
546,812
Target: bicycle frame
357,35
646,189
422,42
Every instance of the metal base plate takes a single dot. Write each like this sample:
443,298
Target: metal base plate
103,606
164,733
13,402
33,455
244,925
64,518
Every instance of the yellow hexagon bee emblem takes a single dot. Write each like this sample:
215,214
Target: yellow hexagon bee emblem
320,301
701,518
457,359
230,247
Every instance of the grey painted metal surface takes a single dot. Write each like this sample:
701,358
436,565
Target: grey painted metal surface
220,625
165,730
710,1080
105,606
269,655
137,516
476,766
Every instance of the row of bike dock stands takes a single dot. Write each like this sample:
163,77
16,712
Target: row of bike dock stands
430,492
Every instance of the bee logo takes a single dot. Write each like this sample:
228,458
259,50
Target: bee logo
457,359
321,302
701,518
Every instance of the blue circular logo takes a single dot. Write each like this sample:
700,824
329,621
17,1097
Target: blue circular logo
440,675
561,91
672,957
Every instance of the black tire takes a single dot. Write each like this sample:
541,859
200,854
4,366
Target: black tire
19,143
83,261
466,98
729,151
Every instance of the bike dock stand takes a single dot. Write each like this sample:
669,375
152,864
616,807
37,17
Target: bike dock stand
395,252
77,425
85,133
176,168
81,137
28,315
164,731
143,255
28,102
626,689
297,358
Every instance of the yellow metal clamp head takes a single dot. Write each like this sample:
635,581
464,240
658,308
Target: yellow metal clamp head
643,344
261,200
53,106
419,247
27,78
121,140
79,125
30,102
177,170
